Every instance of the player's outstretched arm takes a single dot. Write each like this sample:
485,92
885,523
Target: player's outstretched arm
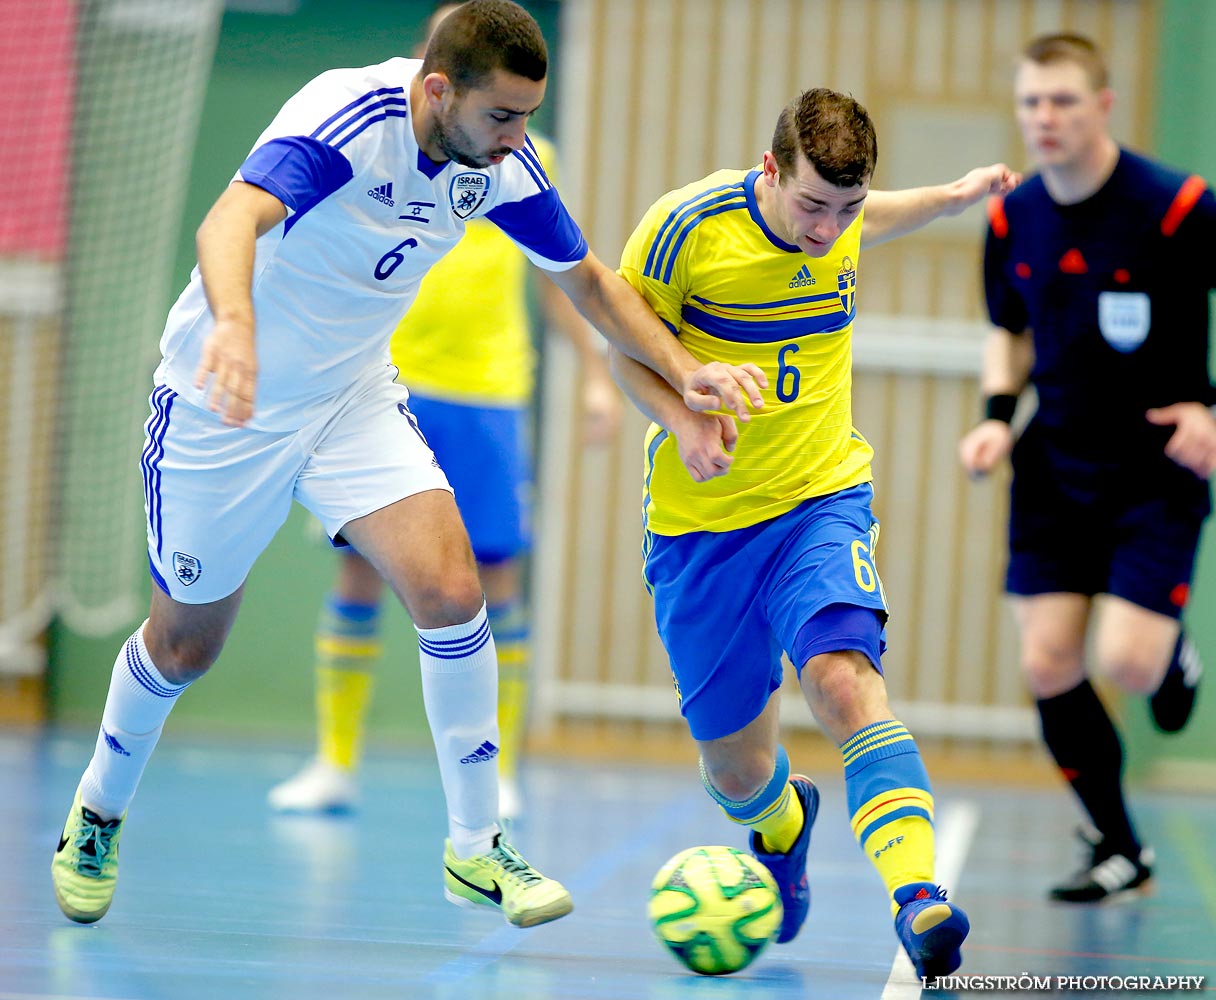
225,242
704,440
616,309
893,213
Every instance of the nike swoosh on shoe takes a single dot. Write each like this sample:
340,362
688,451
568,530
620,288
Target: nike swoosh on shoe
494,896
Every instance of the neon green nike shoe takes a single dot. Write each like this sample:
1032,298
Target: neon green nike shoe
85,866
504,880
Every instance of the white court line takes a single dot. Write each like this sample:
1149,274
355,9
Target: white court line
954,832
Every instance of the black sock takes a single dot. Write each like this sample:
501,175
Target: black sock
1086,747
1171,704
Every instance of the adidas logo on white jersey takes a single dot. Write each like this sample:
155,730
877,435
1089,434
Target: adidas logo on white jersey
383,194
802,278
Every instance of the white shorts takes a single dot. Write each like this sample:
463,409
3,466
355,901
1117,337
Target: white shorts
215,495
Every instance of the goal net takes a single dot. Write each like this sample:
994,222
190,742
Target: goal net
99,107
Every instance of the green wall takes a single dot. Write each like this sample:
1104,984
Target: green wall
263,682
1185,138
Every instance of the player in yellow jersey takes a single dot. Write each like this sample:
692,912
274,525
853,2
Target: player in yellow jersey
760,537
465,350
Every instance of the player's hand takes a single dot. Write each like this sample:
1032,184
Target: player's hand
229,363
721,386
980,183
705,442
986,445
601,409
1193,443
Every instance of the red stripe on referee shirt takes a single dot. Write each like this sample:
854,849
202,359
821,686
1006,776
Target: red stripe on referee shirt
1182,204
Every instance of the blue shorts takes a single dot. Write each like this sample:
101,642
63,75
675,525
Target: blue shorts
1081,528
728,603
486,454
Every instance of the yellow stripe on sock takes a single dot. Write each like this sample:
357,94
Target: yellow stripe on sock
779,824
887,802
872,732
340,648
872,741
512,655
774,811
900,738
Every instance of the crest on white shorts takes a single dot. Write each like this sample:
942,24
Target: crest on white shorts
467,192
1124,318
186,568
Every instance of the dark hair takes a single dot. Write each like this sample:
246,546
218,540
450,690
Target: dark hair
833,132
1065,47
482,36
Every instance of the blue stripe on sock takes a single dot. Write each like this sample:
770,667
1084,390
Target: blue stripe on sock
458,648
143,675
894,814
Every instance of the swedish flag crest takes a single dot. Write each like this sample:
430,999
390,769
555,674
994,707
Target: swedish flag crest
846,284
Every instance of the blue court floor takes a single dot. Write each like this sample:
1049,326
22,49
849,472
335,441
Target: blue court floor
220,900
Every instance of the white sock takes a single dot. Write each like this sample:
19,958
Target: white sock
139,701
460,691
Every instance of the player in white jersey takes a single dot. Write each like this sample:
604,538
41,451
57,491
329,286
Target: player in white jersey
363,180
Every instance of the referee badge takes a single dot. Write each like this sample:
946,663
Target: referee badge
1124,319
467,192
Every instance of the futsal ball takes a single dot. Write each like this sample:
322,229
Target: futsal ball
715,908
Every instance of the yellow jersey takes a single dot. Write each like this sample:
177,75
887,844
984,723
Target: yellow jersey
467,337
732,291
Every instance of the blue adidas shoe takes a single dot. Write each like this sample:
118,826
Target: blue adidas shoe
930,929
789,869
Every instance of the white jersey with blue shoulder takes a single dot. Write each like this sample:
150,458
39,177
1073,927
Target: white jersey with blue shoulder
368,214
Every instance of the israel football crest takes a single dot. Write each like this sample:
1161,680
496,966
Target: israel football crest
186,568
1124,319
467,192
846,284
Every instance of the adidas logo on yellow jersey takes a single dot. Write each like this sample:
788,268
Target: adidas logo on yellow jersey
802,278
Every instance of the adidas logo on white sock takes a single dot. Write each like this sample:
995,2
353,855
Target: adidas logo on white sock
487,751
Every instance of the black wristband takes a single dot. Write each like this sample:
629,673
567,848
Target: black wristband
1000,407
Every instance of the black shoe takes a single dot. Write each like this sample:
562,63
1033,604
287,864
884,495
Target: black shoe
1173,702
1108,875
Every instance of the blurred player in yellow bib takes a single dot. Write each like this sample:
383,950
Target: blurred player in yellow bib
759,537
465,351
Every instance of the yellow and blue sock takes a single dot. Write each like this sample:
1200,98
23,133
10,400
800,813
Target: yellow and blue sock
512,628
347,648
775,812
890,802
